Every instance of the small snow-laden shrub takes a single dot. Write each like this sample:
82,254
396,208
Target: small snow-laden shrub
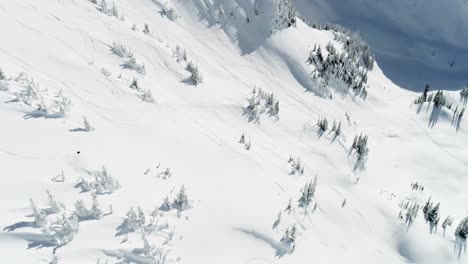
137,220
60,106
180,203
296,166
109,10
83,213
31,92
106,72
169,12
62,231
131,64
147,96
46,104
103,183
180,54
196,77
289,236
121,50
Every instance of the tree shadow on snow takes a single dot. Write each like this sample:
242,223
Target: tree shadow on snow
320,133
41,114
277,246
36,241
79,129
434,116
18,225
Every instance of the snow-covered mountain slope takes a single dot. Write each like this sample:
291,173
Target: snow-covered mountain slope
235,188
416,41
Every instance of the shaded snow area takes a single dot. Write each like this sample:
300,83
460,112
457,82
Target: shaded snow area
221,131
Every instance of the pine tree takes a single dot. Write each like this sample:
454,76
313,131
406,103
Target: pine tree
308,192
285,15
181,201
2,75
427,207
462,230
424,95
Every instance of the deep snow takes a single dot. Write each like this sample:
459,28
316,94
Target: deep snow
235,193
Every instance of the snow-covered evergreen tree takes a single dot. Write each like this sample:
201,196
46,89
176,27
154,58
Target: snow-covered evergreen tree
308,192
83,213
103,183
121,50
289,238
360,145
196,77
284,16
166,205
181,202
132,64
169,12
147,96
431,214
